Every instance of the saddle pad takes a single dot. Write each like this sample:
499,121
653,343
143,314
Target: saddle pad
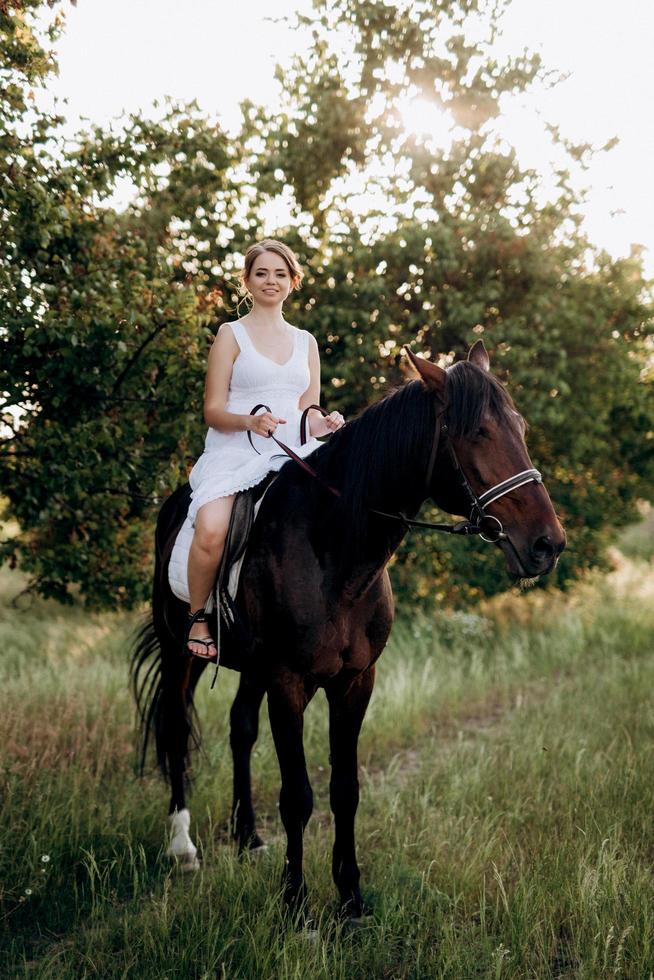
178,566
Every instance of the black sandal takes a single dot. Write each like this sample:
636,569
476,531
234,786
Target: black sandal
206,641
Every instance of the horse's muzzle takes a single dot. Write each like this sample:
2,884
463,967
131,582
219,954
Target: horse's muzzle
531,559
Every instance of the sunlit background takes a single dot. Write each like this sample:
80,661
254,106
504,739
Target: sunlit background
126,54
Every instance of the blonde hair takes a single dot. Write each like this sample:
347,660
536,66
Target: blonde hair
271,245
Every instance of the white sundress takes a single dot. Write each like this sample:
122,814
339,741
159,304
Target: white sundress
229,463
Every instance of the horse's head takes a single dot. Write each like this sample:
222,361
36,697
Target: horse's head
481,447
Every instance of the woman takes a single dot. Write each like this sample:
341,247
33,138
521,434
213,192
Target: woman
259,358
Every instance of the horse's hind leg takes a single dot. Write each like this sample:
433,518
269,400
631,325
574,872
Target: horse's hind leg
180,679
347,709
244,728
176,728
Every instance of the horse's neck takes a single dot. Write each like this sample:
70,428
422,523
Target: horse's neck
361,555
360,541
368,567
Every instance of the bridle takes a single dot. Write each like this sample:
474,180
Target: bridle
487,526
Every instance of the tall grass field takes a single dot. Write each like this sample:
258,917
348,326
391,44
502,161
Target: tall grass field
505,827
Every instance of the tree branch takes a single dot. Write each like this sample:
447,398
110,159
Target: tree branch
135,356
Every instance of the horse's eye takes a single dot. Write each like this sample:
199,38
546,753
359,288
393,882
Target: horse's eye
482,433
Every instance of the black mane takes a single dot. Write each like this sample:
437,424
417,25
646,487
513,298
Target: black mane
377,453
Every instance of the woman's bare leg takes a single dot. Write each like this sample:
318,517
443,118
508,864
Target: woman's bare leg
206,550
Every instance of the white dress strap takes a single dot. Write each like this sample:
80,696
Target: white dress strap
303,343
240,335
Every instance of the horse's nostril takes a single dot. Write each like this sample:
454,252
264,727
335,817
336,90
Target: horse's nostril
543,547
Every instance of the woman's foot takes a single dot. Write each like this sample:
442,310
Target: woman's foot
198,641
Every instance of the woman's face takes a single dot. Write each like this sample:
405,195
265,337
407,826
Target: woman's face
269,280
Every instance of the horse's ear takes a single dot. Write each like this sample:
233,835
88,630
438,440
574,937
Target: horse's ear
432,375
479,355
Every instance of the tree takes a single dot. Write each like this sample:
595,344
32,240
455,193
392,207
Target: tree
107,314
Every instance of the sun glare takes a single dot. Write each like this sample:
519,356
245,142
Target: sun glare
426,119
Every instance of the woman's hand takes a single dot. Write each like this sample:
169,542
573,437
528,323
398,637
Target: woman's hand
264,425
323,425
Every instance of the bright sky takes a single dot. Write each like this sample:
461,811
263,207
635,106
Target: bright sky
124,54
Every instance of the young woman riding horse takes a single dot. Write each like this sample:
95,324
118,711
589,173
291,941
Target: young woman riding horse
259,358
316,594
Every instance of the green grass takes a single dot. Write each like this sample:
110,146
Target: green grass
637,540
507,765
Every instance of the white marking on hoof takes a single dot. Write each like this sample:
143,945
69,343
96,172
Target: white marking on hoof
181,848
310,935
258,852
189,862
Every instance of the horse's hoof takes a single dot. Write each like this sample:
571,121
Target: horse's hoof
309,935
185,862
357,921
296,910
253,853
355,913
251,844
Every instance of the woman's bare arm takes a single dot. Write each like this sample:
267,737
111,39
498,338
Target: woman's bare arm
318,425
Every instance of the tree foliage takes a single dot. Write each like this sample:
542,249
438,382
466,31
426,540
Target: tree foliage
107,313
105,326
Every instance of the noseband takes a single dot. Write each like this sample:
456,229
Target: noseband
487,526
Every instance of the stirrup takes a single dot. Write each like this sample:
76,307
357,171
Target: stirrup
207,641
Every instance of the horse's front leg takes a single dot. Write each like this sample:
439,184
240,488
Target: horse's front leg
287,699
244,728
347,707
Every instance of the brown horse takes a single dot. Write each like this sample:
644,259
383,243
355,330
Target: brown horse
316,595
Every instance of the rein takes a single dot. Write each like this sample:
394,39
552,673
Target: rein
488,527
303,438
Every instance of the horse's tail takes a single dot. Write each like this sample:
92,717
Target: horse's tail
164,681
